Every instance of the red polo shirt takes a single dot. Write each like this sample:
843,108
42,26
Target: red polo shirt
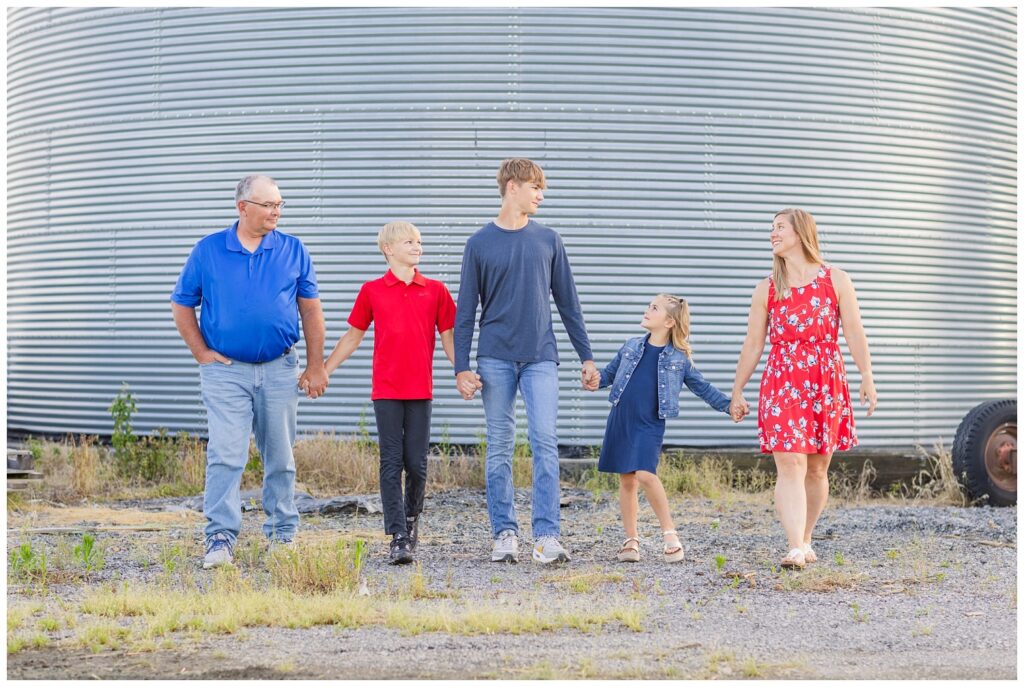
405,317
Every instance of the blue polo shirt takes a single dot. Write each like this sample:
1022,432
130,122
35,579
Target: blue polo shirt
249,308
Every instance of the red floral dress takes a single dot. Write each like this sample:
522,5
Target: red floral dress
804,403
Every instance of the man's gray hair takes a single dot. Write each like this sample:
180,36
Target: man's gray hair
244,187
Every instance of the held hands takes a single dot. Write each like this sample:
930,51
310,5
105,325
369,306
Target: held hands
590,376
868,395
739,408
313,382
468,383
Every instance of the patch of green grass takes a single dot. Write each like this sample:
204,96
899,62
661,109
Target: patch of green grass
491,620
725,664
819,579
104,635
15,643
232,603
249,552
16,615
418,587
171,557
48,624
538,671
583,582
598,483
751,668
88,554
319,568
27,564
710,477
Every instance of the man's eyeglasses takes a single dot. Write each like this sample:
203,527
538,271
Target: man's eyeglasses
269,206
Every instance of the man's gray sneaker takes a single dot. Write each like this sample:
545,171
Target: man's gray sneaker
218,552
506,548
548,550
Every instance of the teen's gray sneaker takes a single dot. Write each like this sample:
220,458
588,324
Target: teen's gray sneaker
218,552
548,550
506,548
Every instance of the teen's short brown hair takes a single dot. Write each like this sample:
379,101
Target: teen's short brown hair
520,170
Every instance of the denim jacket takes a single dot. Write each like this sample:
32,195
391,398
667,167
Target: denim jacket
674,370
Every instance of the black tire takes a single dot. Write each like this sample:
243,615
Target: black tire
979,477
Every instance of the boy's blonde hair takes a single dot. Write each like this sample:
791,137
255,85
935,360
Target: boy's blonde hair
806,229
395,231
678,309
522,171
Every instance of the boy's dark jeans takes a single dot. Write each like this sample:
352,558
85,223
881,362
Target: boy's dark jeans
403,430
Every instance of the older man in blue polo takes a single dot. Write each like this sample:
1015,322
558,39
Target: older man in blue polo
252,283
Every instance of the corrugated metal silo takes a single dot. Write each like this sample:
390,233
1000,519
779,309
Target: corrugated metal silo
669,136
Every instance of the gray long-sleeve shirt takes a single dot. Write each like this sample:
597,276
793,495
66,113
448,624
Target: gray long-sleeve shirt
513,274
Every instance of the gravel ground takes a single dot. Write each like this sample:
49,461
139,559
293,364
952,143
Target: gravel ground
934,596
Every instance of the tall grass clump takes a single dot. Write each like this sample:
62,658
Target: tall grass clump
710,477
329,464
845,485
937,480
318,568
449,467
80,467
85,465
598,482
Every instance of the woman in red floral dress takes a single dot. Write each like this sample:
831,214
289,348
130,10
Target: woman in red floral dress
804,411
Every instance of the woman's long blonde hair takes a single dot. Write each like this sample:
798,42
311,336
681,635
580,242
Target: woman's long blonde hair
678,309
807,231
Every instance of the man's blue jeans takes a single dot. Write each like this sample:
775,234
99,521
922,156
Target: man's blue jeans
538,382
243,399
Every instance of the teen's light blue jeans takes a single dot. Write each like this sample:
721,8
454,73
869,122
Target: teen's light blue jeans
538,383
243,399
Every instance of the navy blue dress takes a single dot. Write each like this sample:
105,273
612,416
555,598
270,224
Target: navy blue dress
634,432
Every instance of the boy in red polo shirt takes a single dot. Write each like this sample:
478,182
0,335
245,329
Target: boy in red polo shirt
407,308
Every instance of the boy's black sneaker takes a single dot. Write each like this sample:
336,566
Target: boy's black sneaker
400,551
412,526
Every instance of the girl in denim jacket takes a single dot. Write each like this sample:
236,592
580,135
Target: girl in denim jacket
646,377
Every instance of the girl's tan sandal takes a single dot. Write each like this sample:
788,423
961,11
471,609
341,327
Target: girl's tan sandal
673,553
629,554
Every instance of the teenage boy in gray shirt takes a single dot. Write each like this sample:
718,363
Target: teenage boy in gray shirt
512,267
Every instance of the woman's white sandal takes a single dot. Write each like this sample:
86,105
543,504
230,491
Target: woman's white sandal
673,554
809,555
794,559
629,554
